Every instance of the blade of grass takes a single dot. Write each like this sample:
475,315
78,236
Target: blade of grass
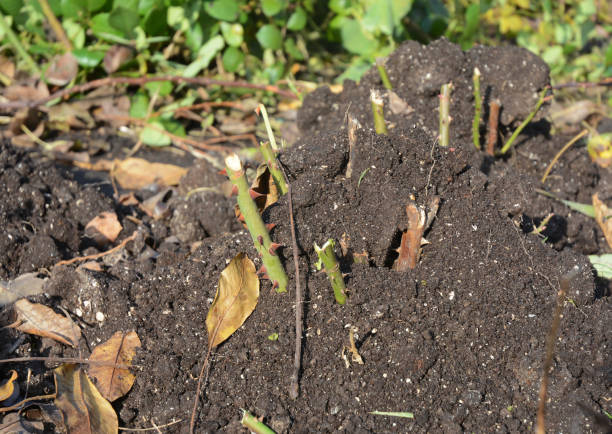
404,414
583,208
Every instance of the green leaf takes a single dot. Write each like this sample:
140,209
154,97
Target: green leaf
150,135
176,16
339,6
139,106
355,41
101,27
225,10
11,7
75,32
162,88
95,5
609,55
602,265
587,210
272,7
297,20
205,55
274,72
73,8
269,36
87,58
154,22
233,33
292,49
124,20
232,59
472,17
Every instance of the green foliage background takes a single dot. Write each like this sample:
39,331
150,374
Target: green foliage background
269,40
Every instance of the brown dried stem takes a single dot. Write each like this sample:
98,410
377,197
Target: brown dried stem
494,107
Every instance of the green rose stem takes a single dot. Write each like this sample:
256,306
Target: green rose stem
380,65
272,163
254,425
520,128
477,109
445,118
327,259
272,266
377,110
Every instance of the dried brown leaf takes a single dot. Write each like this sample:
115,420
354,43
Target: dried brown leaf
136,173
7,390
235,300
120,349
62,69
116,56
31,92
22,286
397,105
84,409
104,228
40,320
603,216
264,185
7,67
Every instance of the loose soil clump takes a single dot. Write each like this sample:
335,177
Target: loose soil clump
458,340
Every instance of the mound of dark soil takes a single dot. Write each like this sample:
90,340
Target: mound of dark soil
458,341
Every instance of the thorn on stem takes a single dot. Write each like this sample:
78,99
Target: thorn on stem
260,240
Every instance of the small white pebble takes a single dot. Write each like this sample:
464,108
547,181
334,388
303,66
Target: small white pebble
451,296
99,316
78,312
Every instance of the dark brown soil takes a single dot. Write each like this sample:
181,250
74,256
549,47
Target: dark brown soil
458,341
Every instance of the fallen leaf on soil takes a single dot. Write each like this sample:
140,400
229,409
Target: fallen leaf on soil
136,173
62,70
114,382
23,286
70,115
31,92
104,228
7,68
603,216
397,105
40,320
235,300
8,389
157,206
85,411
116,56
602,265
16,423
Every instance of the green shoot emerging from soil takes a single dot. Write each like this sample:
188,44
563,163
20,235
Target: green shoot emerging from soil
477,109
445,118
380,64
254,425
272,266
327,259
522,126
377,110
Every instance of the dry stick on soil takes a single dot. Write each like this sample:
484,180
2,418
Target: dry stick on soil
201,81
550,350
445,118
156,428
477,109
410,247
353,124
494,107
294,388
55,24
584,85
561,152
98,255
26,400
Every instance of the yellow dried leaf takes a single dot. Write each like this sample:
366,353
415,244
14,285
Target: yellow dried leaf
235,300
603,216
40,320
114,382
136,173
8,389
83,408
104,228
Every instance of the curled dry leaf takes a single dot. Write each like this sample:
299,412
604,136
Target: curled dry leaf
9,391
40,320
104,228
7,68
136,173
397,105
84,409
62,70
264,191
116,56
23,286
113,382
603,216
235,300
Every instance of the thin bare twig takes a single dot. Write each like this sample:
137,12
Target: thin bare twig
294,388
26,400
201,81
55,24
98,255
605,82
